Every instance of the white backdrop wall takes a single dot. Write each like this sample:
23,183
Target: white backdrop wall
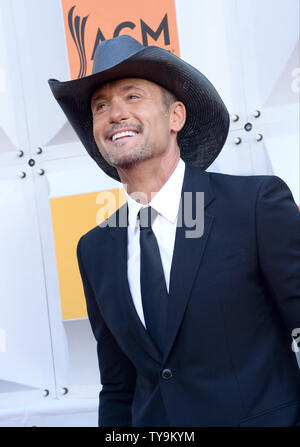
250,51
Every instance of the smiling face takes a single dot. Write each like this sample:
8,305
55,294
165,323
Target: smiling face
131,123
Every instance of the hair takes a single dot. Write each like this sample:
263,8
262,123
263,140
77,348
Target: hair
168,98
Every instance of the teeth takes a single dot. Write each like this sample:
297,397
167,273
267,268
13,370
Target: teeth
128,133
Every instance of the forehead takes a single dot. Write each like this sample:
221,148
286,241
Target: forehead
125,84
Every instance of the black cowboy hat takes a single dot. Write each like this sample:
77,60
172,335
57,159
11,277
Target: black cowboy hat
207,122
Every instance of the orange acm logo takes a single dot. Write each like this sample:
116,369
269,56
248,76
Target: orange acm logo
90,22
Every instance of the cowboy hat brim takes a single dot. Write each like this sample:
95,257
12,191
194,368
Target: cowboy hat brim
207,122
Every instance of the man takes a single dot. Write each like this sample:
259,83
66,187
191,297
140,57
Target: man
193,329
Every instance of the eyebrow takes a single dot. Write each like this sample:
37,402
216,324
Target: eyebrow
131,87
125,88
97,97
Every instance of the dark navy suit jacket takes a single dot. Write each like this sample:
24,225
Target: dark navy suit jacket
234,301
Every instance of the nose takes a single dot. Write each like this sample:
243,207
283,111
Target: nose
118,111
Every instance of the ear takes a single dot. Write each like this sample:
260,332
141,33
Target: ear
177,116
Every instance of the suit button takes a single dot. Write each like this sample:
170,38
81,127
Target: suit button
166,374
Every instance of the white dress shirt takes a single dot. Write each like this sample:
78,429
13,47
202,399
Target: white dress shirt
166,202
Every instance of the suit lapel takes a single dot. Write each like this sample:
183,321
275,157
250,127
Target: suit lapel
120,288
187,253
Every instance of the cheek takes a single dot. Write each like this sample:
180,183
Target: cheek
162,128
97,129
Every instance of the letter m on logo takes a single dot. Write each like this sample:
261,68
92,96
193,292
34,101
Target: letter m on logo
163,27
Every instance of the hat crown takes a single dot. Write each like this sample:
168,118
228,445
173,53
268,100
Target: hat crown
112,52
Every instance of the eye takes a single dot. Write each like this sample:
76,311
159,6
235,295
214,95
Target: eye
133,96
100,106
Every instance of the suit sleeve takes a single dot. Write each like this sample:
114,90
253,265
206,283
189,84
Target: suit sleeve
278,241
118,375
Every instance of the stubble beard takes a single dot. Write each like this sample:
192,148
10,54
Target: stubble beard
127,161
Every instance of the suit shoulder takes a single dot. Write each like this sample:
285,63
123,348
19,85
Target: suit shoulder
250,180
100,231
245,189
92,233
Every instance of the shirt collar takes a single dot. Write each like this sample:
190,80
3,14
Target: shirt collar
166,201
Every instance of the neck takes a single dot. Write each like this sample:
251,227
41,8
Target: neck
144,180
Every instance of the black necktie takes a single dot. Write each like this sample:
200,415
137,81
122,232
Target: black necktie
153,285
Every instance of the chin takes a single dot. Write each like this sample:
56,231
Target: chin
130,160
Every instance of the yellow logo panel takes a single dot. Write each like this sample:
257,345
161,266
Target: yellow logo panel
73,216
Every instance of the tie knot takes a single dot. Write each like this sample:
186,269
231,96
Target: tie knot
147,216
